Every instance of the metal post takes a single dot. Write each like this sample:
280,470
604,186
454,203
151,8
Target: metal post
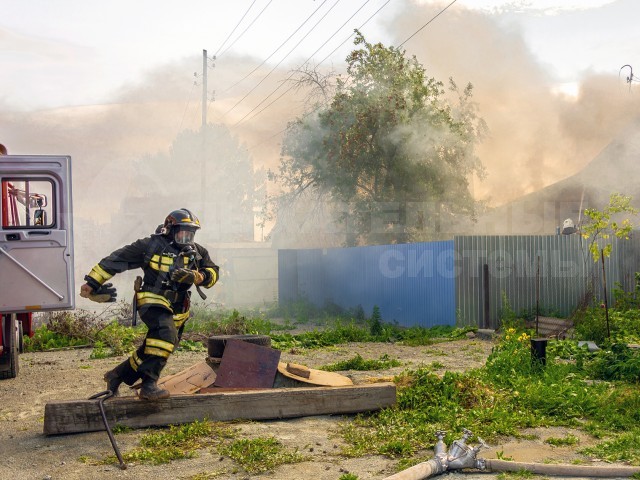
485,276
203,165
604,286
537,293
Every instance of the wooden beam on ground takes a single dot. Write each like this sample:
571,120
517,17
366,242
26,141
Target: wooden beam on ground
75,416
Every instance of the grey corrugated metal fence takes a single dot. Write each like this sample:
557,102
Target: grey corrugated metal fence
412,284
550,272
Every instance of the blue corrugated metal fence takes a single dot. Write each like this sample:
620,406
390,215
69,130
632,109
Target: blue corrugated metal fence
412,284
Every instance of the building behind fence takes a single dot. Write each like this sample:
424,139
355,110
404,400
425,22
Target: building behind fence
466,281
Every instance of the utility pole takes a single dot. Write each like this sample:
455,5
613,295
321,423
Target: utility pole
203,166
204,88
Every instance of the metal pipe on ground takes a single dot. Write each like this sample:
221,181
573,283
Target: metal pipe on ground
606,471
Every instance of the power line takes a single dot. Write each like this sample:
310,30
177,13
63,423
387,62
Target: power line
420,29
290,88
292,74
248,27
234,28
282,60
187,105
276,50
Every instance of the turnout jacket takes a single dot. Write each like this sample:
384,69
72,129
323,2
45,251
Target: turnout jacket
157,256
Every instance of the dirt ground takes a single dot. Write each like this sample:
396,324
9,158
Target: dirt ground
25,453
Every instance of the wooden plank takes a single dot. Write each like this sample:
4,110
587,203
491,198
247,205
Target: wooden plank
189,380
74,416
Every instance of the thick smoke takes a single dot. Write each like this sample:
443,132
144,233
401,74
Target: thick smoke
536,137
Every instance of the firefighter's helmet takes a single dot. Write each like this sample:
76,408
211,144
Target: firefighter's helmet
181,226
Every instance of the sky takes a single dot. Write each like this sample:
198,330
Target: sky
79,52
109,82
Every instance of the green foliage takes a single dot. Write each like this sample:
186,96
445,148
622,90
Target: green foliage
511,358
221,322
81,328
508,317
259,454
339,332
359,363
617,362
116,339
624,326
627,300
45,339
388,137
348,476
600,225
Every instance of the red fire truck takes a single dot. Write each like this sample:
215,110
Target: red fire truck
36,247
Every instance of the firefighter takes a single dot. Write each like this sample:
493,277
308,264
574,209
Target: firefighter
172,262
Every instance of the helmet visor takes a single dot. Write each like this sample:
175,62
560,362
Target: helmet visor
183,236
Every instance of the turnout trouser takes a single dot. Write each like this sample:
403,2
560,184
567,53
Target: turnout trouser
151,357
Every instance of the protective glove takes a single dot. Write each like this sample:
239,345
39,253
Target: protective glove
186,276
106,293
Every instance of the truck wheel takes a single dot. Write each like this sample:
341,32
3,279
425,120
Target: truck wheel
216,343
9,359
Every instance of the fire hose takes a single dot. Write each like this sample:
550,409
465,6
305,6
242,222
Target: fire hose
462,456
101,397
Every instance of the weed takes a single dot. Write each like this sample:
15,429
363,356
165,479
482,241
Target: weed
375,323
500,456
515,475
183,441
359,363
623,447
565,441
348,476
192,346
259,454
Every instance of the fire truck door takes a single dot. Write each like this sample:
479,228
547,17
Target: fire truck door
36,234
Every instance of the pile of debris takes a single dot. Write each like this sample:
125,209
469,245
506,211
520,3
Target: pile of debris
241,378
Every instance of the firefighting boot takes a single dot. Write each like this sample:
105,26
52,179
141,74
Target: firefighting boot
150,390
113,381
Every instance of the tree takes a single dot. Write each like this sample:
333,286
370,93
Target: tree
389,150
598,228
169,180
600,225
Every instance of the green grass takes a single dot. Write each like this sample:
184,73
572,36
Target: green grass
508,394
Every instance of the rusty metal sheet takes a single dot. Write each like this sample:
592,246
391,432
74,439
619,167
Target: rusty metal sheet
246,365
